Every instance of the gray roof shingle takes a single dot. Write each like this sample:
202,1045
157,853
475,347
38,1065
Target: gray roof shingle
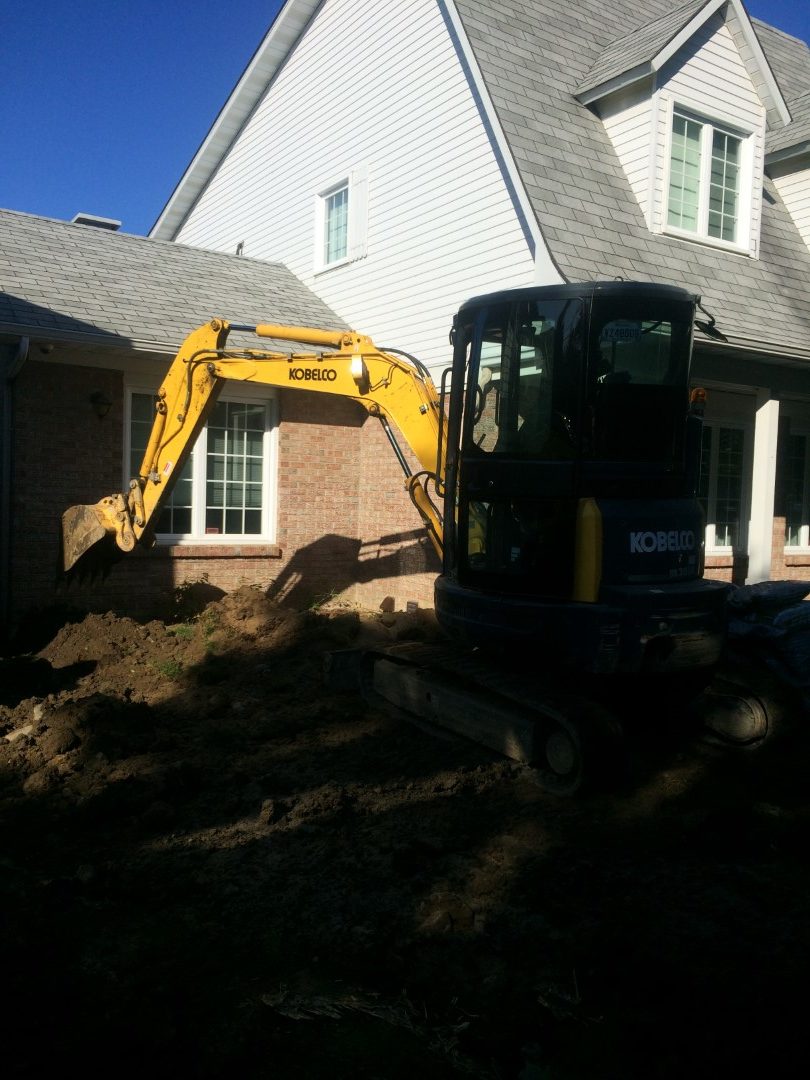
639,46
795,134
589,217
76,282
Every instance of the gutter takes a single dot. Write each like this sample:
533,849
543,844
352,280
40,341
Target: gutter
112,341
9,370
761,350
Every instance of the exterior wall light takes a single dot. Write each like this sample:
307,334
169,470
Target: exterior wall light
101,403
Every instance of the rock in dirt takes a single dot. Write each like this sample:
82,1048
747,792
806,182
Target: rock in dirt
19,733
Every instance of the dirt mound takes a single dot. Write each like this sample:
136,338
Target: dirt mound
211,863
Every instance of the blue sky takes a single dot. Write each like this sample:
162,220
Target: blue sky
104,102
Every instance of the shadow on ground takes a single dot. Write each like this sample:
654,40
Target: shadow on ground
212,867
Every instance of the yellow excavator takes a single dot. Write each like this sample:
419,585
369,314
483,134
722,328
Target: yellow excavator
558,473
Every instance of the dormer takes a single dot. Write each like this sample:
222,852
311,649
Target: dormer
686,101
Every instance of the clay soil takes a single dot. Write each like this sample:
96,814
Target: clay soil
212,867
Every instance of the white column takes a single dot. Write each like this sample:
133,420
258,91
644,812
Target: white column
760,529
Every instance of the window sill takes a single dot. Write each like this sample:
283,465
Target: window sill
238,550
708,241
336,265
717,559
797,556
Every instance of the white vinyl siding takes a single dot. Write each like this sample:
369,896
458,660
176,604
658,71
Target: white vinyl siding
793,186
377,87
627,116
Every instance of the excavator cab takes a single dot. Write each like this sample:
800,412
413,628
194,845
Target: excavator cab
571,522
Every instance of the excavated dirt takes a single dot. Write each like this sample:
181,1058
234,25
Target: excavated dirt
211,867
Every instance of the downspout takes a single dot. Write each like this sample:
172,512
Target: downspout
9,370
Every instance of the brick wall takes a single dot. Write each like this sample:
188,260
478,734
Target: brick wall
397,558
62,454
783,564
345,525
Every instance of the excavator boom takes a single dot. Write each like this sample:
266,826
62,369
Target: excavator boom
389,385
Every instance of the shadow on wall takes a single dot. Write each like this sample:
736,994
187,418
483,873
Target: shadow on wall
332,564
143,587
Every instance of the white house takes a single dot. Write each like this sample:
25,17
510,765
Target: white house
398,158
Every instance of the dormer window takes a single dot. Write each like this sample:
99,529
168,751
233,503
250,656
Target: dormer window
709,186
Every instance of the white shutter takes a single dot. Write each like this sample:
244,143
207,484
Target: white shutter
358,213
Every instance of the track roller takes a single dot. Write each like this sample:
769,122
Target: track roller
578,747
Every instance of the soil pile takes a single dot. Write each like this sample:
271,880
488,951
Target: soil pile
213,867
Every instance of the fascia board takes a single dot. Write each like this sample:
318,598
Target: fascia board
618,82
763,350
686,33
115,342
798,150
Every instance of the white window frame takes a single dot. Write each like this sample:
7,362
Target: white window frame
244,394
745,199
712,548
355,183
803,547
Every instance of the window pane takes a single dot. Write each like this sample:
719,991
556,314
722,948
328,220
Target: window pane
705,469
218,415
175,517
213,520
684,173
230,459
336,225
255,417
216,440
234,469
724,186
143,408
254,443
796,515
728,502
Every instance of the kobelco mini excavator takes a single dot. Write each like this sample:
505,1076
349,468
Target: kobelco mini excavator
558,474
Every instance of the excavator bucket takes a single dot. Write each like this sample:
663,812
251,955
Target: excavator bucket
82,528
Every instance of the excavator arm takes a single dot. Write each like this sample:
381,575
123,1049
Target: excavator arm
389,385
